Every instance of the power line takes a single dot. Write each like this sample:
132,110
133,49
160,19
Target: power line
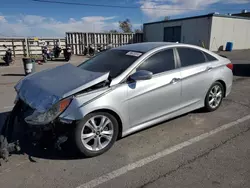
125,7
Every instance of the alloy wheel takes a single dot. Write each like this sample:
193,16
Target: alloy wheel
215,96
97,133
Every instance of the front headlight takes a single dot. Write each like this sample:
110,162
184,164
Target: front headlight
38,118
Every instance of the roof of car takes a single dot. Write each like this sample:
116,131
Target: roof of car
144,46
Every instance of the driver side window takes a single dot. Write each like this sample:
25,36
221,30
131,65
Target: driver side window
160,62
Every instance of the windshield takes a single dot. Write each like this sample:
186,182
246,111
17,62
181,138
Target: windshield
113,61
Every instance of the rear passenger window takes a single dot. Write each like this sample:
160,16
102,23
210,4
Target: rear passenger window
159,62
189,56
209,57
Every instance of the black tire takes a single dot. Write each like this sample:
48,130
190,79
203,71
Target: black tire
44,59
78,131
208,107
91,54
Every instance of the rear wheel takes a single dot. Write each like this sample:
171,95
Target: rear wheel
96,133
214,97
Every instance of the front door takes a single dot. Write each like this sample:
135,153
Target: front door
159,96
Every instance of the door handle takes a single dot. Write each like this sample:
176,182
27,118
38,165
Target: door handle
175,80
209,68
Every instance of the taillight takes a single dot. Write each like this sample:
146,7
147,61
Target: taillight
230,66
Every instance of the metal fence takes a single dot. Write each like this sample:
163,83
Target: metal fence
77,41
29,46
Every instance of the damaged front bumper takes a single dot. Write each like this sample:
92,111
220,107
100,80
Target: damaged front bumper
51,133
48,121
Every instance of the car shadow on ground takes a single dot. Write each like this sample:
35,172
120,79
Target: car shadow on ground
3,116
198,111
56,60
13,74
49,152
3,65
241,70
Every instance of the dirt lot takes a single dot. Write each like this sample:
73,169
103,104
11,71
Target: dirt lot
195,150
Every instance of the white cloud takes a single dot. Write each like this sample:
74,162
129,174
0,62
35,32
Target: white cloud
177,7
238,1
32,19
2,19
33,25
96,18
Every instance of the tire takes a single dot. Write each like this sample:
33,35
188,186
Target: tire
84,146
44,59
214,105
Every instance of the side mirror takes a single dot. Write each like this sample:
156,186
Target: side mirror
4,46
141,75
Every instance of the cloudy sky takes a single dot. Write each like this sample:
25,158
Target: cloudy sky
30,18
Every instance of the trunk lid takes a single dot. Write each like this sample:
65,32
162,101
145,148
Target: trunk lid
44,89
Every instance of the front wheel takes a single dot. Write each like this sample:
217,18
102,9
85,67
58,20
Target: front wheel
96,133
214,97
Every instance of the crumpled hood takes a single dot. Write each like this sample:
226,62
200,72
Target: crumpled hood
43,89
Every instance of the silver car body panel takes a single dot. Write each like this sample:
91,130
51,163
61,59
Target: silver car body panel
148,102
139,104
44,89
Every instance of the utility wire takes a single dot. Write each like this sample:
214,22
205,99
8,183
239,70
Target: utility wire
125,7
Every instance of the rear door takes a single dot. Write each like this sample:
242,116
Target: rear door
195,74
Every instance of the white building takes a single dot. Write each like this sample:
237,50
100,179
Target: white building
211,31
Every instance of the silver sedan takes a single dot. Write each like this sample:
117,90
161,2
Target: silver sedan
125,89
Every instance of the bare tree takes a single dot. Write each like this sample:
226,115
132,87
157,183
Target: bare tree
125,26
166,18
113,31
139,30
